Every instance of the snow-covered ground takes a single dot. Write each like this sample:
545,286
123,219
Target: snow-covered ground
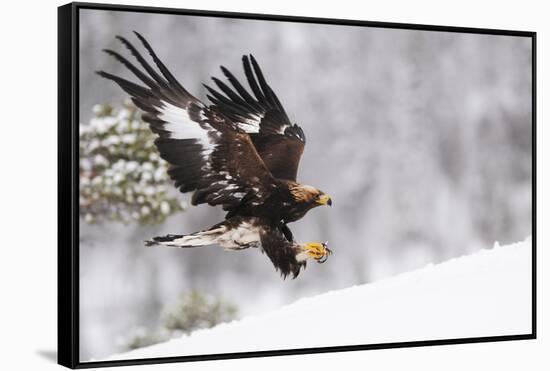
484,294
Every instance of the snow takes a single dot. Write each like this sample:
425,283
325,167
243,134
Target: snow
487,293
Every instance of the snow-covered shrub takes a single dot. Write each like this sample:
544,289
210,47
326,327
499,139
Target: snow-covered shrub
196,310
122,177
192,311
140,338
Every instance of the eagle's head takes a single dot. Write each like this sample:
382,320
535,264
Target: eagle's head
309,195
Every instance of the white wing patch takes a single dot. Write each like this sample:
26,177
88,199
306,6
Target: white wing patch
180,126
282,129
251,124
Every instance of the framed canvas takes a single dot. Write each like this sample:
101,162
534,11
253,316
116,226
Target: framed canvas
395,161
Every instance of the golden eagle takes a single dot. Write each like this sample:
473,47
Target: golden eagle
240,152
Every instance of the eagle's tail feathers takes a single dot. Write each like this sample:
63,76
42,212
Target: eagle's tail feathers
197,239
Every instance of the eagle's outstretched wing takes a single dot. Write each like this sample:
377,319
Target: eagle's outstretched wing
279,142
208,153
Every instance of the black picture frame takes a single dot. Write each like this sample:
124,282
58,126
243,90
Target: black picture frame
68,183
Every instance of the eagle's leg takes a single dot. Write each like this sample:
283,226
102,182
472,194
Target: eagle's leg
286,232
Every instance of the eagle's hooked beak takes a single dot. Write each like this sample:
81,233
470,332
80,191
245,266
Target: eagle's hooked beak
324,199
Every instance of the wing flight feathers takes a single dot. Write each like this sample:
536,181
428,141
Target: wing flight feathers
207,152
260,113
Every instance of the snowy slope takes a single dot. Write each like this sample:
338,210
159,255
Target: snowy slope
484,294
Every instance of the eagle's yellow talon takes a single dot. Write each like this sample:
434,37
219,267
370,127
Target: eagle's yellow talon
318,251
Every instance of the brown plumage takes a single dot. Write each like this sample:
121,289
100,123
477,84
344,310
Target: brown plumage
240,152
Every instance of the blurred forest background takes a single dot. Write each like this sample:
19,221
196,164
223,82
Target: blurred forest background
423,139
